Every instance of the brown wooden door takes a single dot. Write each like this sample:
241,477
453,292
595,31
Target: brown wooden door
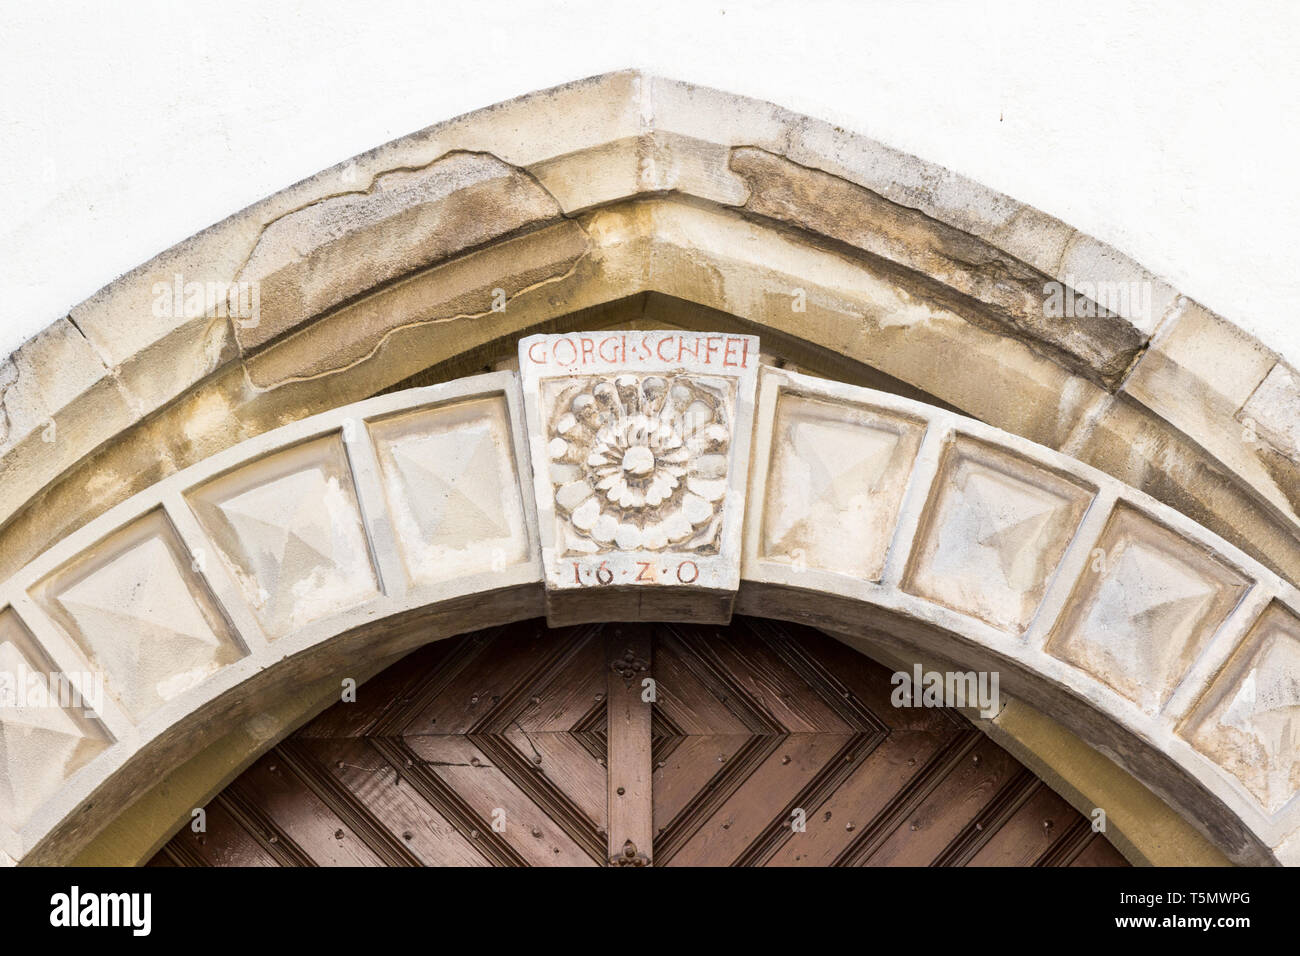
755,744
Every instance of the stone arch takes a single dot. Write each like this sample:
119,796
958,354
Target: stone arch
323,544
642,202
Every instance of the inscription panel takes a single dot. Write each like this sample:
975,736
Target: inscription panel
639,444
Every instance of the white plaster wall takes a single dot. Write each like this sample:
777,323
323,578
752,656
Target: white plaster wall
1167,129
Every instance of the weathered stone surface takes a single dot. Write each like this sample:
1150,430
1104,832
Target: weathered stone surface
1101,348
1143,450
1144,609
590,145
480,286
156,359
981,535
452,486
1198,375
141,616
837,479
209,419
315,258
42,742
1272,413
821,298
695,111
851,250
994,534
1200,368
289,528
158,351
655,162
56,400
639,443
1249,719
1116,282
300,376
45,375
956,555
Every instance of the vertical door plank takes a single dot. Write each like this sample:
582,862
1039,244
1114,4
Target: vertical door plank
630,806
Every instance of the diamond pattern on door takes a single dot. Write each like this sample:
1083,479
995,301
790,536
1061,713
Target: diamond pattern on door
523,746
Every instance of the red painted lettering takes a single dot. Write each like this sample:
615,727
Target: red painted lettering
573,352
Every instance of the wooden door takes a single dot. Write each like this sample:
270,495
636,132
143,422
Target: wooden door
756,744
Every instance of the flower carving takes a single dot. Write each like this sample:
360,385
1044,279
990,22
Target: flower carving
640,462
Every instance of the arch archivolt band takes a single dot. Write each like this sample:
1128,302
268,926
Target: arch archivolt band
359,533
202,499
629,189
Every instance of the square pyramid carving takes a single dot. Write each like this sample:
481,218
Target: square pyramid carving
1144,609
450,481
289,528
836,483
137,610
993,535
1248,722
42,742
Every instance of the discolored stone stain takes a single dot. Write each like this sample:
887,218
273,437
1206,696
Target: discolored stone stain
1010,295
333,250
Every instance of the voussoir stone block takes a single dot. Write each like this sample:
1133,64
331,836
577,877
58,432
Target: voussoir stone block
1102,347
639,444
289,528
333,250
835,484
450,480
46,375
994,532
56,399
140,614
401,327
1144,608
44,738
1199,371
1249,720
1272,413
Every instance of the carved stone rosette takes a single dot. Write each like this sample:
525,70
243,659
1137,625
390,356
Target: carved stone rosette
639,446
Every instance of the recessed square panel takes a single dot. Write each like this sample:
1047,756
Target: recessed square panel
141,615
1248,722
452,490
289,528
1144,608
836,480
46,734
993,533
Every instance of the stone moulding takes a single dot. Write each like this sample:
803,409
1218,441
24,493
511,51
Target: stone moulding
1157,642
618,186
